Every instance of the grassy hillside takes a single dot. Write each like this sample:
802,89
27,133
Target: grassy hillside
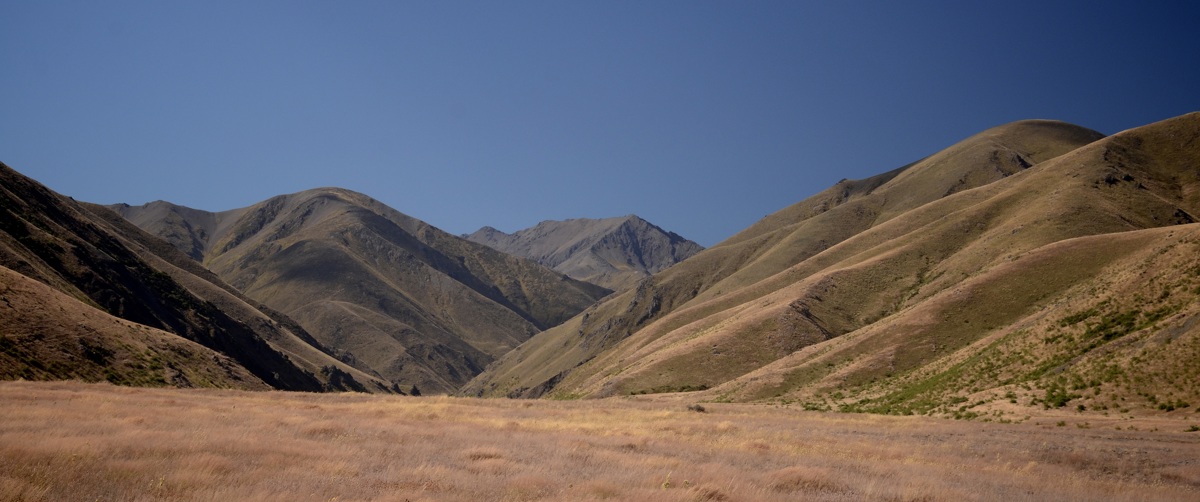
717,278
1089,324
843,301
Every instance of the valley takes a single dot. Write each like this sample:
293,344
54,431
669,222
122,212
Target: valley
1014,317
599,251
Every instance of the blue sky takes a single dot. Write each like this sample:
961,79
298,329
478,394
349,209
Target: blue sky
699,116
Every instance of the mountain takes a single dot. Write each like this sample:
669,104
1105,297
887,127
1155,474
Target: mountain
392,295
88,295
613,252
1034,264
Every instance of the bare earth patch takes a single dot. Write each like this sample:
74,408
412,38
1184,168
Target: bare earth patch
75,441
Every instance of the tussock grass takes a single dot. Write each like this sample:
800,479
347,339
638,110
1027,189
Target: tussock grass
75,441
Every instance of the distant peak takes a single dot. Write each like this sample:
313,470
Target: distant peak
489,230
638,221
486,234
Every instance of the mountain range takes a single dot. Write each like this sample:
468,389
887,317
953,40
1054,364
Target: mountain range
615,253
1033,264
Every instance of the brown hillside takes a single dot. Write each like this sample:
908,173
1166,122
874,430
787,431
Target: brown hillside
391,294
868,257
280,331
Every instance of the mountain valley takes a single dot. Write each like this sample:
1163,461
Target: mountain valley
1035,265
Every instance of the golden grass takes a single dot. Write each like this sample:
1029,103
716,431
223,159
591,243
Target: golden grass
75,441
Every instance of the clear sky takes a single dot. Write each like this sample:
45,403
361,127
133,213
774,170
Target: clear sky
700,116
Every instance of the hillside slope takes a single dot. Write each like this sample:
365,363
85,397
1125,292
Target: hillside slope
93,256
612,252
48,335
391,294
874,267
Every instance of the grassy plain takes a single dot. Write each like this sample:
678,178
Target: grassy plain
76,441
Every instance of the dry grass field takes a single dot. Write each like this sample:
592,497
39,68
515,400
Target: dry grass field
76,441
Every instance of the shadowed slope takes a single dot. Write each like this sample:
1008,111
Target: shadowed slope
66,246
860,252
48,335
613,252
393,295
